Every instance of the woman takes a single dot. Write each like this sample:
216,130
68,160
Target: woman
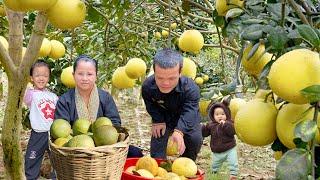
87,101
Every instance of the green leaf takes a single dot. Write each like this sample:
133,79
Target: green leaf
295,164
263,77
318,32
252,32
312,93
275,10
253,50
278,146
219,21
255,2
252,21
233,28
299,143
309,34
234,12
186,6
278,38
93,15
210,94
306,130
229,88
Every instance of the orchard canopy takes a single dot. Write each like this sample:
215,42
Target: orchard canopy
230,48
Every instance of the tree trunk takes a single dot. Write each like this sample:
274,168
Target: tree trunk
12,154
17,70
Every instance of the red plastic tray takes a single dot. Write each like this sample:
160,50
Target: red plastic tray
133,161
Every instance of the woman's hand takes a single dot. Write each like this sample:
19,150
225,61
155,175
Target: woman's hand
177,136
158,129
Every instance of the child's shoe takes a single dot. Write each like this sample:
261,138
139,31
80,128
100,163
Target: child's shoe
233,177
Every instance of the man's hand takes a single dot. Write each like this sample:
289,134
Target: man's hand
158,129
177,136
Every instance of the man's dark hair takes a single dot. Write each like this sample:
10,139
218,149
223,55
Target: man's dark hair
167,58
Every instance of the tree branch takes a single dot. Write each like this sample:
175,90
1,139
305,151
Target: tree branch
108,21
38,33
152,24
298,11
166,5
209,4
7,62
283,12
15,20
224,46
308,11
201,18
209,11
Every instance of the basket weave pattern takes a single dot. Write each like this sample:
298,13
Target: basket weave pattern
102,162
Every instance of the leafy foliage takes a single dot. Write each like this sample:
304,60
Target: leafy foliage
295,164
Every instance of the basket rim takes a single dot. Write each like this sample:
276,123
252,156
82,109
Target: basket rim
115,145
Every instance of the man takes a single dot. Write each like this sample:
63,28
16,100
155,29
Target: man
172,101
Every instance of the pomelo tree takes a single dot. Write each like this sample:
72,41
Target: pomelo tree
17,72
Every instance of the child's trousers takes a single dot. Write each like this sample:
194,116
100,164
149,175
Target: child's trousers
37,145
230,156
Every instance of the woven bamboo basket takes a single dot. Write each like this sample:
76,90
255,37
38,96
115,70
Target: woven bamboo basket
102,162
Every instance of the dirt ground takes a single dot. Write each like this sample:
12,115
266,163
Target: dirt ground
254,162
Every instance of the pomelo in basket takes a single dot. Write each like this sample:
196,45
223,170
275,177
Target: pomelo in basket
101,121
81,126
60,128
81,141
105,135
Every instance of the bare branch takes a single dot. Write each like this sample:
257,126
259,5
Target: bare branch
152,24
308,11
166,5
38,33
201,18
283,12
298,11
209,11
208,4
224,46
108,21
